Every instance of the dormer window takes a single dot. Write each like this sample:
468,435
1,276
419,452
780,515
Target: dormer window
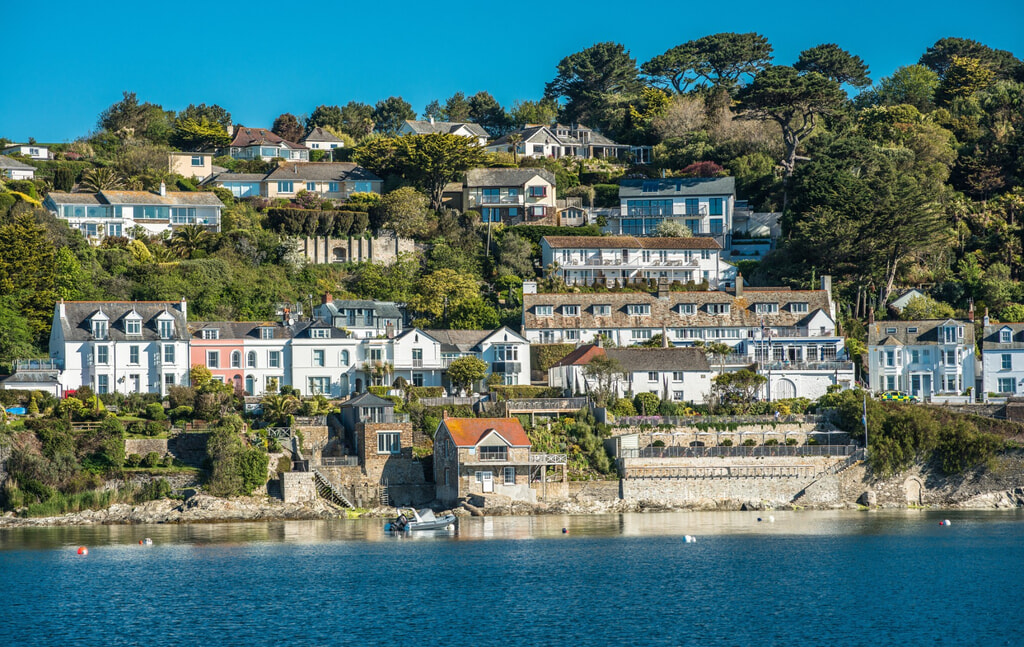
718,308
211,333
133,326
543,311
266,333
602,310
166,327
638,309
798,308
912,330
571,311
766,308
319,333
687,308
99,328
890,331
1005,336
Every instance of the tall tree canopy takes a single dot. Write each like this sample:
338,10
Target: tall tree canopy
390,114
719,60
835,63
287,127
587,79
488,113
324,117
1003,64
211,112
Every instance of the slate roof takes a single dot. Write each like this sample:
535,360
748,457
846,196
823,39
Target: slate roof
322,171
665,313
462,341
634,360
318,134
230,330
628,242
193,198
425,127
678,186
367,399
467,432
255,136
13,164
76,323
893,333
505,176
60,197
382,309
990,338
530,132
219,178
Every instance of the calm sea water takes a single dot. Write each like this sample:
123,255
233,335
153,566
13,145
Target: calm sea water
809,578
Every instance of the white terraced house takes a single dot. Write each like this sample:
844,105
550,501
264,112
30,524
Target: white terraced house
790,334
122,346
702,204
118,213
606,260
1002,359
932,359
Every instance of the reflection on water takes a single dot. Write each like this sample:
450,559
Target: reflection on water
699,524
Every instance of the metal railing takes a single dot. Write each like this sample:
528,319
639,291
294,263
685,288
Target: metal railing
339,461
493,454
36,365
279,433
311,421
807,366
548,459
547,404
756,451
694,421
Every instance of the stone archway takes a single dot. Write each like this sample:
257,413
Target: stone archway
913,489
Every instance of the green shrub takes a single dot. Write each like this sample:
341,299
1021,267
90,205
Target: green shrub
646,404
658,443
181,413
726,442
379,391
772,442
522,391
791,441
152,459
133,460
155,411
155,428
284,464
749,442
544,356
606,195
417,392
155,489
623,407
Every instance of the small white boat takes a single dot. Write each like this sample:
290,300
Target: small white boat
422,520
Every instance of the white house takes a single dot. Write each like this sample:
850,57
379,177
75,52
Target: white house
510,195
323,359
606,260
1002,358
262,144
790,334
363,318
319,139
34,151
702,204
15,169
677,374
923,358
506,352
117,213
557,141
123,346
416,357
466,129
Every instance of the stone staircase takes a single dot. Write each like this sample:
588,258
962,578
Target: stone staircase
836,468
327,490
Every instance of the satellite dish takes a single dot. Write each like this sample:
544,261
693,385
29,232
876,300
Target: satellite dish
291,321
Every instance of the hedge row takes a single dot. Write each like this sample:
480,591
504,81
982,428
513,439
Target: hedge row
310,222
543,356
522,391
534,233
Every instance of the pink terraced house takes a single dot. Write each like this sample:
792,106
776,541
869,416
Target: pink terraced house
216,346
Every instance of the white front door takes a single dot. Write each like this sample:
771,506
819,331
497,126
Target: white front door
487,481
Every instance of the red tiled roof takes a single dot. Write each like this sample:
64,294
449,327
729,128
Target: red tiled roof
467,432
581,355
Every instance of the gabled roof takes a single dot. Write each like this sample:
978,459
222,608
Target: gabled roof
915,333
678,186
426,127
414,332
468,432
581,356
245,330
76,321
256,136
367,399
467,341
323,171
664,312
991,336
506,176
318,134
13,164
631,242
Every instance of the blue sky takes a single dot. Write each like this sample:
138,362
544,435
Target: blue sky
259,59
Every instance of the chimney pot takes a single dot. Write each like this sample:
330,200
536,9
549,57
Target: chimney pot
739,284
328,298
163,188
970,312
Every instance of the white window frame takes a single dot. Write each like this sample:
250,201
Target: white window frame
389,442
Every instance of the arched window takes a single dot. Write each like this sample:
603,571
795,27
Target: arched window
344,358
236,359
250,359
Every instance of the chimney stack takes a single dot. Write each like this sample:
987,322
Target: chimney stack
664,336
431,120
739,284
327,298
826,284
871,315
663,291
163,189
183,307
970,312
986,320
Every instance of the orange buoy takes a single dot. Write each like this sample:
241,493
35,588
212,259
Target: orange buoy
82,550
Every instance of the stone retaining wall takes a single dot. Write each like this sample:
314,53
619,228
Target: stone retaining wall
594,490
297,487
143,446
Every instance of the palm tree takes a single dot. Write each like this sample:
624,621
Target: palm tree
514,139
277,407
187,239
101,179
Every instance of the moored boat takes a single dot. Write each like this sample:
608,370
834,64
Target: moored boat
422,520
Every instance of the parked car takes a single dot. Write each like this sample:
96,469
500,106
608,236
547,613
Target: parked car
897,396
